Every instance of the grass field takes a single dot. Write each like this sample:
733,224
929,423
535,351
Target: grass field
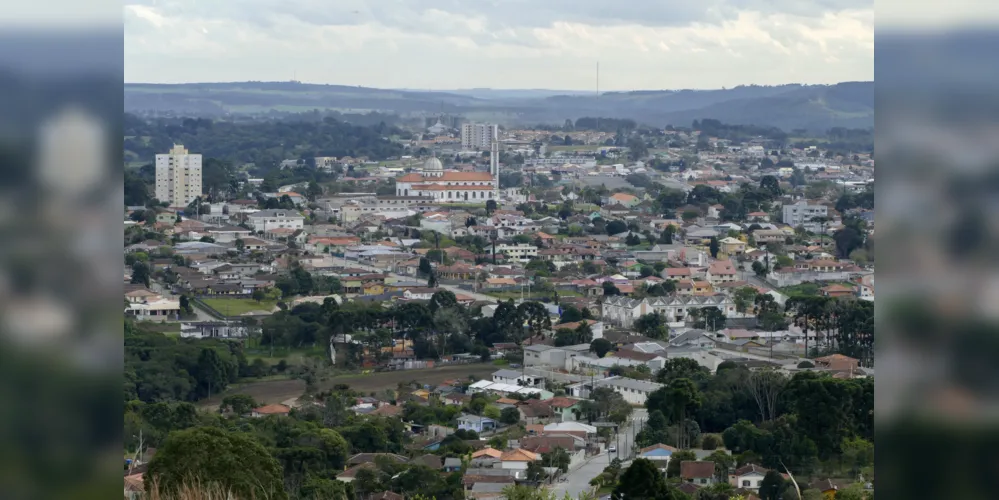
167,328
276,391
235,307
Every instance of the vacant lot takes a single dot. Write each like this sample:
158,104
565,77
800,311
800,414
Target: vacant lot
276,391
235,307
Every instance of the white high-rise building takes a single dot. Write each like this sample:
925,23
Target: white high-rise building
478,135
178,176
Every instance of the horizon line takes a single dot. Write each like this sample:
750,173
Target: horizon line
468,89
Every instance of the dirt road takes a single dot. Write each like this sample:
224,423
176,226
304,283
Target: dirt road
277,391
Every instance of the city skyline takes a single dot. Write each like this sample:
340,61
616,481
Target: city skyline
421,45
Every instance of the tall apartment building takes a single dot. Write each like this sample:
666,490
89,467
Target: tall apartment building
178,176
801,214
477,135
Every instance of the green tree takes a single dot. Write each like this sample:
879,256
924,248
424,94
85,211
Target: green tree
640,481
240,245
743,297
678,401
713,247
490,207
211,372
601,347
320,488
680,456
210,455
536,317
558,458
238,404
773,486
759,269
140,273
442,299
510,416
652,325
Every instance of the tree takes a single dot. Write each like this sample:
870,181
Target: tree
673,467
140,273
238,404
609,288
768,313
710,442
677,400
765,386
424,268
759,269
258,294
536,317
713,247
637,149
773,486
570,315
442,299
708,318
558,458
652,325
647,271
743,297
210,455
601,347
640,481
616,227
668,233
490,207
211,372
510,416
771,185
240,245
724,462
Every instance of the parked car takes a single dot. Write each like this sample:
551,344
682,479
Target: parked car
612,449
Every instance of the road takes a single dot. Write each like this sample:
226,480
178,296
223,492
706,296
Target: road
578,480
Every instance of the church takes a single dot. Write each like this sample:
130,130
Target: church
447,186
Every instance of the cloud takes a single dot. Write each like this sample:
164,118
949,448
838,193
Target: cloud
501,43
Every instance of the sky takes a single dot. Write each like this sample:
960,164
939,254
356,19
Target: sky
507,44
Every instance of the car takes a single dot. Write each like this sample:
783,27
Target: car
612,449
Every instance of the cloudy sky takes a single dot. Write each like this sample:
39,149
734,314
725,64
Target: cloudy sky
451,44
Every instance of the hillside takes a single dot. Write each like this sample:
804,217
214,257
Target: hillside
814,107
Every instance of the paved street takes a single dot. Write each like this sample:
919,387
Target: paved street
578,480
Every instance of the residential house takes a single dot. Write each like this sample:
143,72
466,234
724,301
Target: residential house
517,461
658,453
749,477
699,472
837,363
837,290
731,246
565,409
476,423
721,271
268,410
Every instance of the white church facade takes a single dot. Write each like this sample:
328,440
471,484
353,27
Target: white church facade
447,186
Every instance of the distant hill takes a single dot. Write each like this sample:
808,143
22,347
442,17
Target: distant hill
814,107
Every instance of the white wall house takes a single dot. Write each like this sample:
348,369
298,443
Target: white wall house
265,220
